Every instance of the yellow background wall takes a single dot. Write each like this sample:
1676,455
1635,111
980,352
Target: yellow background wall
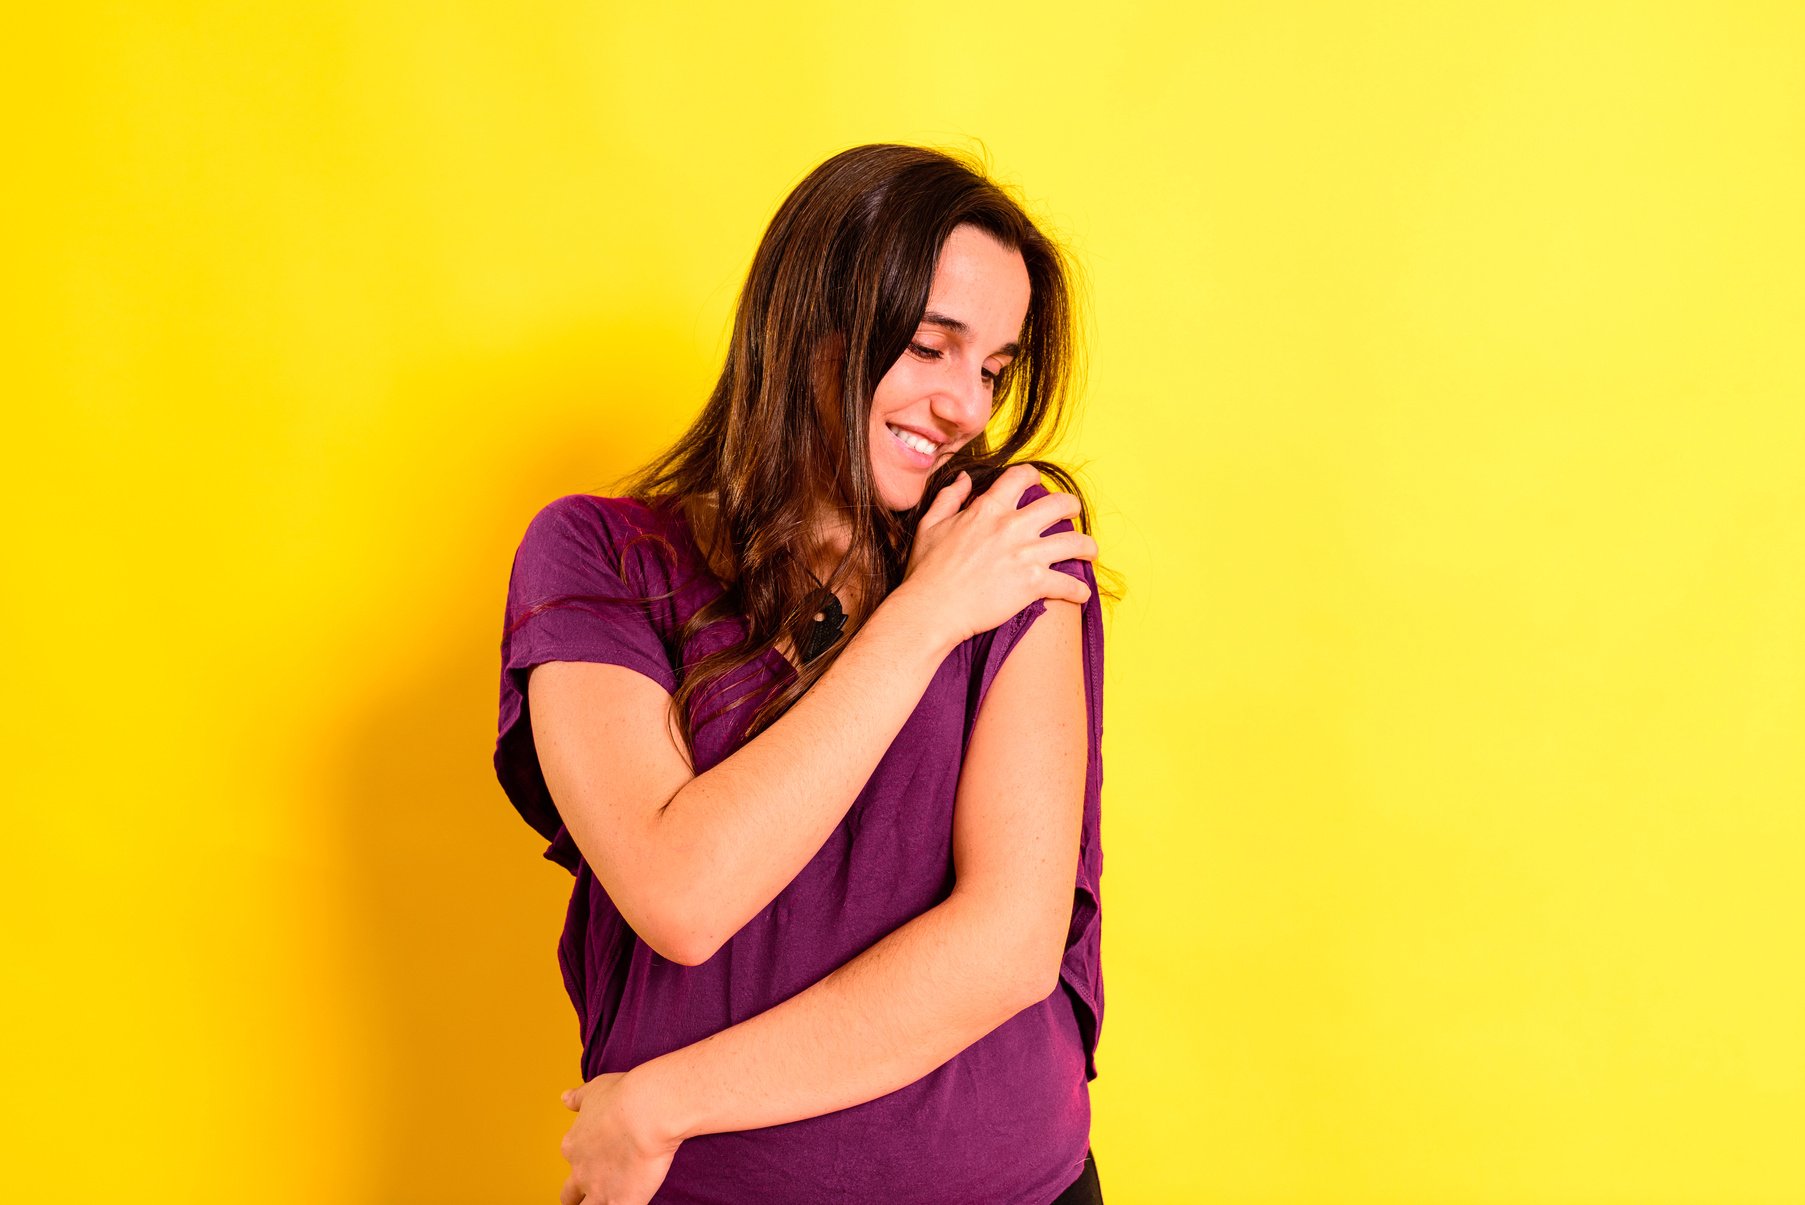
1445,419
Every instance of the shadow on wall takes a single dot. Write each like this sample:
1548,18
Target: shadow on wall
455,955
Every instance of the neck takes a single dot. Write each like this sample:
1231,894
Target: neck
828,541
831,540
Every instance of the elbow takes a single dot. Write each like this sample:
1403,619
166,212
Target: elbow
1032,977
692,954
675,951
1038,986
678,939
666,919
686,939
1022,954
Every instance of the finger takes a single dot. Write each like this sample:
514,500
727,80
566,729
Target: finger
1076,588
1051,514
948,500
1013,482
1069,590
1024,471
1067,546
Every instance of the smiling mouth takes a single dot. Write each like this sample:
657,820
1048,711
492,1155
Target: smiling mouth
919,450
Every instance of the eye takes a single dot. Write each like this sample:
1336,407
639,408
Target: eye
990,378
924,351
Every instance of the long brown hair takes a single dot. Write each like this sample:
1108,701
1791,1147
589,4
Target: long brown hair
836,291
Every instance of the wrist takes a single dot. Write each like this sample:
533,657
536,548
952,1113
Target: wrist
654,1099
918,618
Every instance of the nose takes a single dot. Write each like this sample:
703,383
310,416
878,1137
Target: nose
963,400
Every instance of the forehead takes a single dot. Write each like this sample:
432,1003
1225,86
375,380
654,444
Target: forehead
982,283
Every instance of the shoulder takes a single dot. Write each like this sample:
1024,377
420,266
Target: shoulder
598,520
1076,567
644,544
566,535
1028,489
1024,478
593,510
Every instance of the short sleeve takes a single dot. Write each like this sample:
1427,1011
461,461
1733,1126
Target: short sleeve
1081,970
568,600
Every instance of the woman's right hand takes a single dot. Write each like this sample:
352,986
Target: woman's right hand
973,568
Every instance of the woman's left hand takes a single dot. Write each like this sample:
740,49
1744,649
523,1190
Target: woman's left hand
614,1159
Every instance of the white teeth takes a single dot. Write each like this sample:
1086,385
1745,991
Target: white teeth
914,441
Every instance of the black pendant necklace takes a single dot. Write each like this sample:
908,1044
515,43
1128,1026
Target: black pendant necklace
820,633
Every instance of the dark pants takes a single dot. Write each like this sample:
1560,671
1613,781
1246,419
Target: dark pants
1085,1190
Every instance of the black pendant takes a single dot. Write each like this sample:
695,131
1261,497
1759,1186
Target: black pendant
820,634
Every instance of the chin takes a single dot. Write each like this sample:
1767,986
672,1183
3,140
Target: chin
899,499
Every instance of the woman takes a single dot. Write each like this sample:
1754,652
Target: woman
785,710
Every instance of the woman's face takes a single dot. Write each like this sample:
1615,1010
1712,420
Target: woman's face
940,389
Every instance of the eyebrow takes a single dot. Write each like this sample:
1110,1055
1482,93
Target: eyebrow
934,318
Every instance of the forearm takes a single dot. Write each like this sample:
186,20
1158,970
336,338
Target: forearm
734,836
880,1022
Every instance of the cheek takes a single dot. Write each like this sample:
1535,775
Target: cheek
898,386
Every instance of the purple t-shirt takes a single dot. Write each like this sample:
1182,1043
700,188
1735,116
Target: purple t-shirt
1007,1120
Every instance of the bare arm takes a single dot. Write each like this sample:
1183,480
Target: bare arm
688,859
951,975
689,869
